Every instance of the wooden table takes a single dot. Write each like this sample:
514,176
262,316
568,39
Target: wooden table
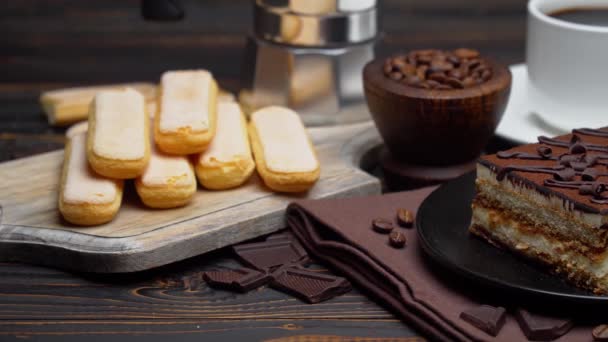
50,44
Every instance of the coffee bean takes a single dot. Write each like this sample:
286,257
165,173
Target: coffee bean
437,76
396,75
382,226
388,68
397,239
600,333
427,52
424,59
456,73
412,80
457,69
454,60
405,218
440,66
466,53
399,62
421,71
454,83
486,75
433,84
468,82
408,70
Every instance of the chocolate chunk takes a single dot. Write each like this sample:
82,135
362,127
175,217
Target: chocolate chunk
284,236
405,218
544,151
539,328
486,318
241,280
311,287
600,333
382,226
269,255
397,239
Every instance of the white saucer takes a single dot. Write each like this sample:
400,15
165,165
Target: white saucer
519,122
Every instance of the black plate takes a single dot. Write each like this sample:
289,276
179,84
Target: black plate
443,221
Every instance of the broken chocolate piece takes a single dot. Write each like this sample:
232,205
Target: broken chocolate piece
405,217
539,328
382,226
241,280
284,236
311,287
486,318
600,333
268,255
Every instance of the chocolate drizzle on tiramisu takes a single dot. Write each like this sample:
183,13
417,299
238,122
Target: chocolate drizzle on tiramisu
576,162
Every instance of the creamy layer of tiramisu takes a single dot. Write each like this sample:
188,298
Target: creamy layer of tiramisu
548,201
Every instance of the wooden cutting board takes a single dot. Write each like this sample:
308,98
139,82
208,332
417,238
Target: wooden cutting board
139,238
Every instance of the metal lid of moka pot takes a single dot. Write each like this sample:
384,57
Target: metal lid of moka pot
315,22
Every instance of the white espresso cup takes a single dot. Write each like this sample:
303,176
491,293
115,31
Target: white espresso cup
567,65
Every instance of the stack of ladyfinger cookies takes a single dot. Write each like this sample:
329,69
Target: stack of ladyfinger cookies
188,134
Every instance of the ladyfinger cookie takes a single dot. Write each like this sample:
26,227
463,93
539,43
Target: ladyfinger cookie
227,162
118,144
185,122
284,156
167,182
69,105
86,198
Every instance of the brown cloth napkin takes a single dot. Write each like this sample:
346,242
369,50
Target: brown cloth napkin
338,232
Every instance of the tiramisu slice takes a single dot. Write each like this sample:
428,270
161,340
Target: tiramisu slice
548,201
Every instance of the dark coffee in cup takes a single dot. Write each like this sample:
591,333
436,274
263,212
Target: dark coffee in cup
597,16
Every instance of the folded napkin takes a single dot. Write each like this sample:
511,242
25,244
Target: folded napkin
338,232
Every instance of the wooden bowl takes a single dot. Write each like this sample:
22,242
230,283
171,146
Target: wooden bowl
435,127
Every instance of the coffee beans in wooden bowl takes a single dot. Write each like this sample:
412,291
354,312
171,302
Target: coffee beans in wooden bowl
435,107
437,69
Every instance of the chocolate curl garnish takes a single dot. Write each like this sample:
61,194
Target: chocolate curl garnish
579,165
567,159
591,159
574,139
595,189
603,200
560,184
544,151
589,174
566,174
578,148
506,154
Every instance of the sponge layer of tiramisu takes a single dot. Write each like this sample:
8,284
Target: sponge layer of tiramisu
548,202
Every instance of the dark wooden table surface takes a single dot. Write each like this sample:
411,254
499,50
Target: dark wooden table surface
58,43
